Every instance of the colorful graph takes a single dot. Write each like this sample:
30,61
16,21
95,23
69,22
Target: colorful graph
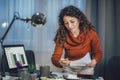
15,54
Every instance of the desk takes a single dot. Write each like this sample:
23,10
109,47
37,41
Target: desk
24,76
58,77
70,77
13,78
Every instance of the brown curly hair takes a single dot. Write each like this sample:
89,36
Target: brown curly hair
72,11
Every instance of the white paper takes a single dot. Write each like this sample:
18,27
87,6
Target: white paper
81,62
71,76
87,71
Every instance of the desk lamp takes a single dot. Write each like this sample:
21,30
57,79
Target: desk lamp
37,20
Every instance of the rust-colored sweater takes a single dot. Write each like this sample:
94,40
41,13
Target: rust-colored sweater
77,47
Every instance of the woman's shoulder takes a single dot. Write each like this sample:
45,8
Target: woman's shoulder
92,33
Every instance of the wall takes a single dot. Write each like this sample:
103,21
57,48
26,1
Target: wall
105,14
117,27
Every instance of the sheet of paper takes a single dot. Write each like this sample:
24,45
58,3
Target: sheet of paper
87,71
71,77
81,62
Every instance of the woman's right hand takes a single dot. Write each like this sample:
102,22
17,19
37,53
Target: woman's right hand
64,62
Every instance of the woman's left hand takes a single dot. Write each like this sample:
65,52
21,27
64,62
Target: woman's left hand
92,63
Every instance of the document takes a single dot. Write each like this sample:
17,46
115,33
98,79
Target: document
80,65
81,62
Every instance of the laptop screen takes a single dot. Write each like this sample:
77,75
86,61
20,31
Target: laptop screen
15,53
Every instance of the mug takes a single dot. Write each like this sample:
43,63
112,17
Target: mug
44,71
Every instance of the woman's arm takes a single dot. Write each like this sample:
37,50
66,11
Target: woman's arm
96,49
56,56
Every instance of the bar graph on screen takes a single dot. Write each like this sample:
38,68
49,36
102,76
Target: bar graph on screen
15,53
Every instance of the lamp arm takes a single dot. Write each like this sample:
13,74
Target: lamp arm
2,54
3,37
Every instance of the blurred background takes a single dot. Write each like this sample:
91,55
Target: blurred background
104,14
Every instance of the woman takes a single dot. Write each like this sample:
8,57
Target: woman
76,36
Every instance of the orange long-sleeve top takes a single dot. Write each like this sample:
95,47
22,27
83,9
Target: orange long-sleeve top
76,47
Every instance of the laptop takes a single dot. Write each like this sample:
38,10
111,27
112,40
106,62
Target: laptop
13,54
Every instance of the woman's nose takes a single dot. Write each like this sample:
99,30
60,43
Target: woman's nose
69,25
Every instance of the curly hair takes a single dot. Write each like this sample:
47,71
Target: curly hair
72,11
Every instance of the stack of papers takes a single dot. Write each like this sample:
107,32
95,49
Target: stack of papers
80,67
81,62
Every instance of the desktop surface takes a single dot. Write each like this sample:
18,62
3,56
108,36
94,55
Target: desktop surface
58,76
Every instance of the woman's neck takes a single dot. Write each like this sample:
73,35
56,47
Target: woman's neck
76,33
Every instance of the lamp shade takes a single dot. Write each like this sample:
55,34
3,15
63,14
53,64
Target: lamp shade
38,20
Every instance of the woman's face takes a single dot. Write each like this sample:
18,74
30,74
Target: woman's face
71,23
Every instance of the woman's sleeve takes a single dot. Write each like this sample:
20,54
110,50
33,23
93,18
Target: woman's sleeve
96,48
56,56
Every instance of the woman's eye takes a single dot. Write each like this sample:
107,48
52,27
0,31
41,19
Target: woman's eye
65,23
72,21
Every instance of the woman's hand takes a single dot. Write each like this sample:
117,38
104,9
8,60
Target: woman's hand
92,63
64,62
